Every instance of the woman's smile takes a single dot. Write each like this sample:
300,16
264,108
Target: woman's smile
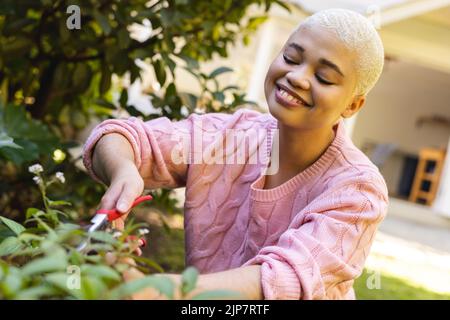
289,99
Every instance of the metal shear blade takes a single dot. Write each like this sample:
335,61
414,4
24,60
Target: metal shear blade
99,222
103,218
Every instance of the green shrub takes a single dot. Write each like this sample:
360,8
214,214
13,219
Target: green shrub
40,260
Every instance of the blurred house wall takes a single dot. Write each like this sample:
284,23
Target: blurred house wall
405,93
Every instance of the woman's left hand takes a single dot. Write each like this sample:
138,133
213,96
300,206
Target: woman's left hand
133,273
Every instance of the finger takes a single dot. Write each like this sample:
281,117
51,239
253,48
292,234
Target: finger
135,244
126,199
129,261
138,252
110,258
118,224
131,273
110,197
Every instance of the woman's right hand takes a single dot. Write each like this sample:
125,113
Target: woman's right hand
126,185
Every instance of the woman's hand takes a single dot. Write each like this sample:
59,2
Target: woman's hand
132,273
126,185
148,293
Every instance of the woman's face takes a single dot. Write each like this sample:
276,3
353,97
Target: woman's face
311,83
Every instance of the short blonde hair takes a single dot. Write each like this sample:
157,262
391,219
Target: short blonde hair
359,35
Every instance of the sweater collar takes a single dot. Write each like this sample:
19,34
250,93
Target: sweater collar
307,176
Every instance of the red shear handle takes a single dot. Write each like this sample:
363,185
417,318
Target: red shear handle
113,214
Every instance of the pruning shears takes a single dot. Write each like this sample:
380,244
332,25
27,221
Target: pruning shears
103,218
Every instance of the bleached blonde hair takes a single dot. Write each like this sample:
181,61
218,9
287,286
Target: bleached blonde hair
360,36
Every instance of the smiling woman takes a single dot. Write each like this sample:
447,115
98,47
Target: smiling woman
300,232
329,63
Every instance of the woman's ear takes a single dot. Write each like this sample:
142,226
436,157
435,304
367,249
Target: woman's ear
354,107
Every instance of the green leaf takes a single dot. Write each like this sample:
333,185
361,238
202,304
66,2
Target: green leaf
219,71
76,257
149,262
81,77
59,203
123,98
104,272
29,151
17,25
36,293
61,72
31,212
105,103
105,81
219,96
189,280
103,21
172,65
54,262
31,134
133,111
160,72
146,14
12,282
189,100
92,287
6,141
230,88
64,33
9,246
255,22
171,91
283,5
121,62
14,226
123,37
18,47
5,232
61,280
191,63
26,237
167,17
104,237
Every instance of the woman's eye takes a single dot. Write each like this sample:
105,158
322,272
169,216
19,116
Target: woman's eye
288,61
322,80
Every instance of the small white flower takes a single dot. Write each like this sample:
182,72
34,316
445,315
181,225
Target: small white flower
37,180
117,234
143,231
36,168
60,177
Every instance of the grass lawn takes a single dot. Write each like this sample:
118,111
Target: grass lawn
392,288
168,250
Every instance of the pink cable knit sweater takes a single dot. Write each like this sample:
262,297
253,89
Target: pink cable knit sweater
311,235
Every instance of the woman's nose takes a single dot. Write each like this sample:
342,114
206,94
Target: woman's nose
299,79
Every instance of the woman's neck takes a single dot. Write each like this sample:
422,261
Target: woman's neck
298,149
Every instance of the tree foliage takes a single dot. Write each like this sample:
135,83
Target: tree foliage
54,81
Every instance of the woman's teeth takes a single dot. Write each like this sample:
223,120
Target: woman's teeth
288,97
